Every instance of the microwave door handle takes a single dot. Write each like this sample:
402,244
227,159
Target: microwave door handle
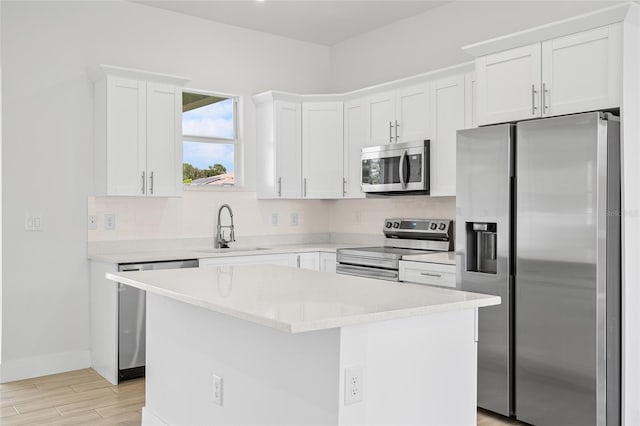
402,160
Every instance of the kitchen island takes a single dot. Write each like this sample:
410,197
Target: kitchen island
262,344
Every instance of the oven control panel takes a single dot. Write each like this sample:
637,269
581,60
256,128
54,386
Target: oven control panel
415,228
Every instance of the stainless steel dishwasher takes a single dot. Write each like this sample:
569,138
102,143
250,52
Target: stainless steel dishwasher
132,318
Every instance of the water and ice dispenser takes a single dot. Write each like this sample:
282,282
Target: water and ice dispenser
481,247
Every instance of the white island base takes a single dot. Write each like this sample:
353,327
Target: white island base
415,371
284,360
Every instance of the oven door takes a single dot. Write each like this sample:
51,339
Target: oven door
398,167
367,272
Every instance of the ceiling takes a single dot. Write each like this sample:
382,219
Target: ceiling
324,22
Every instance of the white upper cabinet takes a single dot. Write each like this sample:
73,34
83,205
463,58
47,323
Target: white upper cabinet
288,149
470,100
138,133
279,147
381,113
448,116
582,72
574,73
299,147
398,116
412,113
164,139
353,144
322,150
509,85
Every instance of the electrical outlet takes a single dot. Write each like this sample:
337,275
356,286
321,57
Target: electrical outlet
353,385
109,221
217,390
92,223
294,219
274,219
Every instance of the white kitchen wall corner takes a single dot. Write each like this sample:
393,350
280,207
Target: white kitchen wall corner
137,133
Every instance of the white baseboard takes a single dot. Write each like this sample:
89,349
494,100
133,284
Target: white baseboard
150,419
43,365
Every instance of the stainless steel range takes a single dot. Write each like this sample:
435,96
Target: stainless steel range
403,237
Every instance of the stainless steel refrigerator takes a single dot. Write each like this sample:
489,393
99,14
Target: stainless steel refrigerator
538,223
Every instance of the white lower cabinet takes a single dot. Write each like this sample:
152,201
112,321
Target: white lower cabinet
260,259
309,260
428,273
327,262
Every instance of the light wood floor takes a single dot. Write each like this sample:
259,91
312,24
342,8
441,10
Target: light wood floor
83,397
79,397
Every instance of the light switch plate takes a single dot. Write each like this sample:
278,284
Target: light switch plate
217,390
92,222
32,221
294,219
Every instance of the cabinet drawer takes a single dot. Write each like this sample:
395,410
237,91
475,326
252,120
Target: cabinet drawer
428,273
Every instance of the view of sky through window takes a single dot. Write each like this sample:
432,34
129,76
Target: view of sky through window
215,122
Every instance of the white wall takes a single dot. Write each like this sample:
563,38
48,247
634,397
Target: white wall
0,190
631,219
47,48
433,39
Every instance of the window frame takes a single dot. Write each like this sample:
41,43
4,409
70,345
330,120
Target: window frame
236,141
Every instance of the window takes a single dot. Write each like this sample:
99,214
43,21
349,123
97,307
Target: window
209,136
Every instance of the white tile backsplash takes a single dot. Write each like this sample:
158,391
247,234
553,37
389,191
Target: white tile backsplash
194,214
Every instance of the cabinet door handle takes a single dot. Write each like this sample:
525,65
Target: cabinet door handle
390,134
544,98
397,125
279,187
144,181
344,186
151,183
298,261
304,187
533,99
429,274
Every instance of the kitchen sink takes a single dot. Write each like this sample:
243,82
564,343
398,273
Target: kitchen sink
230,249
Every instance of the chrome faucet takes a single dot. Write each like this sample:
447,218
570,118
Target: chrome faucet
219,240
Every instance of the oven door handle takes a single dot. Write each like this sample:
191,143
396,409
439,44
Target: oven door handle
367,272
403,158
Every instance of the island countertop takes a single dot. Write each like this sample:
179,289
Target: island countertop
297,300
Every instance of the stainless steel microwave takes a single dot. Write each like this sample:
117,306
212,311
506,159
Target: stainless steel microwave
396,168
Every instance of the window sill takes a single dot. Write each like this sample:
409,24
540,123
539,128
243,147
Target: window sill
214,188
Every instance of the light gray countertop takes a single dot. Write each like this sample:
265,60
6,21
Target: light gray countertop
194,253
296,300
